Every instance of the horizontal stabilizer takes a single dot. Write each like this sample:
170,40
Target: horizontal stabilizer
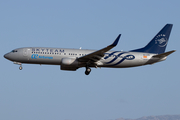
164,54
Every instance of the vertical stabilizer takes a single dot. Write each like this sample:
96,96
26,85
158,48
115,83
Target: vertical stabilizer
158,44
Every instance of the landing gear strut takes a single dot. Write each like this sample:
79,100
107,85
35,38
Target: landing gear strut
88,70
20,67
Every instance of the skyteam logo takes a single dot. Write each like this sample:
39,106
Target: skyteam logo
120,55
36,56
161,40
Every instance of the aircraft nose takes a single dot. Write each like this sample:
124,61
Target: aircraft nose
6,56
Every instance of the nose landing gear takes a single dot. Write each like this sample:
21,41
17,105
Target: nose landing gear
20,67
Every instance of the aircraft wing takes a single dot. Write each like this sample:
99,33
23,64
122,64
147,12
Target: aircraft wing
97,55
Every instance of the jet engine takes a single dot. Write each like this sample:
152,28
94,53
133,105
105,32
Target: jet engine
69,64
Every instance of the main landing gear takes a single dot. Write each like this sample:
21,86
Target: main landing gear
88,70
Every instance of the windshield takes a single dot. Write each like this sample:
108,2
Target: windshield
14,51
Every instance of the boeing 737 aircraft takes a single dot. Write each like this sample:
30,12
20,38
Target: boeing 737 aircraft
72,59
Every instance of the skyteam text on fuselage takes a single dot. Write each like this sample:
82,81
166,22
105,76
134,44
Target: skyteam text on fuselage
72,59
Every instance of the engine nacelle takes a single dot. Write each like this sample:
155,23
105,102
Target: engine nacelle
70,64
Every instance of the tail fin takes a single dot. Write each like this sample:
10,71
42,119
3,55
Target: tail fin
158,44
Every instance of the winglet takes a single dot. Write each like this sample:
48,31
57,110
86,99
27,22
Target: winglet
116,41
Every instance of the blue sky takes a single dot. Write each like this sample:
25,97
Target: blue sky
44,92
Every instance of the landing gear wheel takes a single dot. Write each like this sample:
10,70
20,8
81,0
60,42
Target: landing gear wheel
20,68
88,70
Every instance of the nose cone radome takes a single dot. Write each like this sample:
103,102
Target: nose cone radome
7,56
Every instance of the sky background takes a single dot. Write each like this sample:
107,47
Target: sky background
47,93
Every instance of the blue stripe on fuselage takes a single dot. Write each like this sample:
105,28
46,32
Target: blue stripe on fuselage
116,57
127,57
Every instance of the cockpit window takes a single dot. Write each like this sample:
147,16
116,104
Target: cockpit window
14,51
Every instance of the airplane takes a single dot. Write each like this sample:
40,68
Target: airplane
72,59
